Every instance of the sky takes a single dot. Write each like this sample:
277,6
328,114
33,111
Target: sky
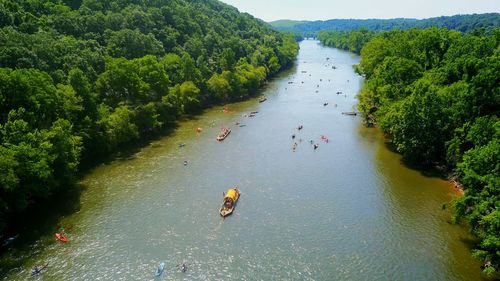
269,10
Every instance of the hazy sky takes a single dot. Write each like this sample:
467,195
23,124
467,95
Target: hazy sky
270,10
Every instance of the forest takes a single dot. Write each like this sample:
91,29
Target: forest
463,23
81,78
436,93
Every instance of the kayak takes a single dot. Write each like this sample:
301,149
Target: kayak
160,269
38,269
9,240
61,237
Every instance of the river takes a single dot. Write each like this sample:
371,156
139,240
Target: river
349,210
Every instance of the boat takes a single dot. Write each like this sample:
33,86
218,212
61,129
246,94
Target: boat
160,269
262,99
350,113
61,237
9,240
38,269
230,198
224,132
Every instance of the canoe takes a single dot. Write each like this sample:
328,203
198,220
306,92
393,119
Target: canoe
230,198
350,113
61,237
263,99
223,134
160,269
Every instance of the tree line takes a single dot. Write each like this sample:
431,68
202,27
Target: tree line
81,78
463,23
436,93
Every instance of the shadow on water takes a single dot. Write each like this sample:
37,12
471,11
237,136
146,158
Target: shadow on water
39,220
43,218
470,242
430,170
126,151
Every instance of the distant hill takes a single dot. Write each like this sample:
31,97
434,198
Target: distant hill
286,24
462,23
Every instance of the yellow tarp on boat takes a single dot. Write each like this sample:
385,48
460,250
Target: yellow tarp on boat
232,193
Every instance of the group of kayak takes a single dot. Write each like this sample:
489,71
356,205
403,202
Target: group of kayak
39,268
315,145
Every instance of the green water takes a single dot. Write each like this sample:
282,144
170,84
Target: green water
349,210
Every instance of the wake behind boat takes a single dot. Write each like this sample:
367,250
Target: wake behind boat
223,134
230,198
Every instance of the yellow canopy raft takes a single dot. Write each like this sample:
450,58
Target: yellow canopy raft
230,198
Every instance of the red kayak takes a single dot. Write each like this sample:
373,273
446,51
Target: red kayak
62,238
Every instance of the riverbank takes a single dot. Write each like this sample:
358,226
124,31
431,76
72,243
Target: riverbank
46,218
438,109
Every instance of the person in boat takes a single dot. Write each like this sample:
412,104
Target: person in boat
185,162
37,269
228,203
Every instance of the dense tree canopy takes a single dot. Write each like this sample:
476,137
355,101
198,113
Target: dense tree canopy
436,92
79,78
462,23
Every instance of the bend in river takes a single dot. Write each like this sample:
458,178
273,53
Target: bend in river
348,210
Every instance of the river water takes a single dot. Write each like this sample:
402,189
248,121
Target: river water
349,210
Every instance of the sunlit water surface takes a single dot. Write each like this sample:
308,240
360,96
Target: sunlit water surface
349,210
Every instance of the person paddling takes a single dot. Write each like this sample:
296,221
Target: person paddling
37,269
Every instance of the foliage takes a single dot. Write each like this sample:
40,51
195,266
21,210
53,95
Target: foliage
436,93
79,79
352,41
463,23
